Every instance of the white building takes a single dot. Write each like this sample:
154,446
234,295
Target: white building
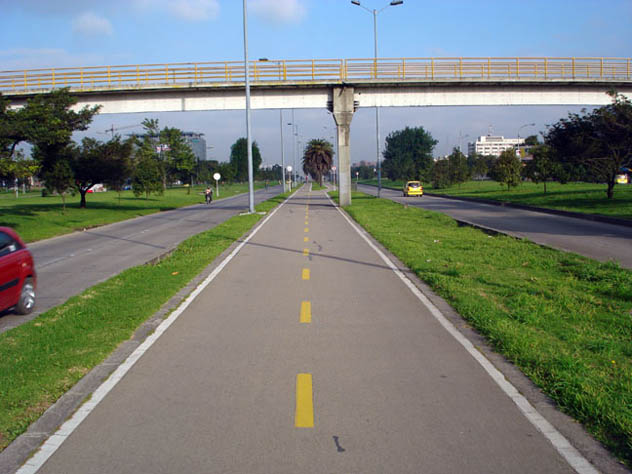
492,145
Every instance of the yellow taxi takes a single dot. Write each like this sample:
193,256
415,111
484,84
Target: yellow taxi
413,188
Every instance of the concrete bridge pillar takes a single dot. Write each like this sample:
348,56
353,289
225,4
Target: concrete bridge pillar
343,108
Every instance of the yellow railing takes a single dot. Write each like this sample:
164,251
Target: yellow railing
317,70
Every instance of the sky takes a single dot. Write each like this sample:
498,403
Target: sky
69,33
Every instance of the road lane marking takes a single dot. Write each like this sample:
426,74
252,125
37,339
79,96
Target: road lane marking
306,229
48,448
305,273
306,312
572,456
305,252
305,239
304,416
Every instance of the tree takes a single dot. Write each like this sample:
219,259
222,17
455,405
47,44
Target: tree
18,167
542,167
239,158
595,145
408,154
458,170
507,169
531,140
179,159
147,177
59,178
118,163
440,174
318,158
479,167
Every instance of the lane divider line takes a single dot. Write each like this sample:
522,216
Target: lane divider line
51,445
305,252
304,415
305,274
578,462
306,312
305,239
306,229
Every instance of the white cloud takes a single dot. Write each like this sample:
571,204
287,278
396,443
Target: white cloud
195,10
90,24
279,11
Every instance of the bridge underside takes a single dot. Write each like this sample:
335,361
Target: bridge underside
317,96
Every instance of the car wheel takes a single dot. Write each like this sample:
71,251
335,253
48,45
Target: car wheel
26,303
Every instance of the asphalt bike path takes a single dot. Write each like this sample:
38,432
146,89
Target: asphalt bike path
69,264
305,353
597,240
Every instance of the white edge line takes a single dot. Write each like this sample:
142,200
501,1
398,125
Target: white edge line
47,449
578,462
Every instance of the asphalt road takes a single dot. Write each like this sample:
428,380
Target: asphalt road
596,240
69,264
252,379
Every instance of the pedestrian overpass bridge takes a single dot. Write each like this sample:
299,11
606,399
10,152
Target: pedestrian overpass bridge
341,85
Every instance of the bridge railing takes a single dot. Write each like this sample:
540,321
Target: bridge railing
317,70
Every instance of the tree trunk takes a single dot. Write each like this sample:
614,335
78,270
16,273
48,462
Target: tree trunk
83,192
545,186
610,191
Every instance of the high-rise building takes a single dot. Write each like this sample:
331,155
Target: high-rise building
492,145
197,143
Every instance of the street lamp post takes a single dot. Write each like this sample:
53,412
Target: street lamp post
377,110
251,188
520,128
282,152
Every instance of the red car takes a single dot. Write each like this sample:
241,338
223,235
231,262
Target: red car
17,274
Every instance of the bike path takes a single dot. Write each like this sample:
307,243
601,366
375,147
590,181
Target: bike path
247,380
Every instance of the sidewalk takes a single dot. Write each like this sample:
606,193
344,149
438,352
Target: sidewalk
306,353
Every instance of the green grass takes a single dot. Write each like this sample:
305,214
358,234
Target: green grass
317,187
587,198
565,320
42,359
37,218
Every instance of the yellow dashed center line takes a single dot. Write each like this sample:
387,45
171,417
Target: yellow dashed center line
305,239
304,416
305,273
306,312
306,229
305,252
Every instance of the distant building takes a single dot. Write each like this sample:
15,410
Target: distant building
492,145
197,143
195,140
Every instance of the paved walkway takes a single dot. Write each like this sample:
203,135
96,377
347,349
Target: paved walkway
306,353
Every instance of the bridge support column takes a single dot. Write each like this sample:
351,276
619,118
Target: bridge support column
343,108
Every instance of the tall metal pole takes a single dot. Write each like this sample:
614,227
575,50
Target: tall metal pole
282,152
377,112
251,188
295,133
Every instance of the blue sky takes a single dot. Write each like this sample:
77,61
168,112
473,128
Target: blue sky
58,33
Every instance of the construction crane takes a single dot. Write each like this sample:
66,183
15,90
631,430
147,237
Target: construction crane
113,129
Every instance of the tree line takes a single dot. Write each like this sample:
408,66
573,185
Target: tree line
146,162
591,147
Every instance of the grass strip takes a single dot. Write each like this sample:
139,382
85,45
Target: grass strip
35,217
42,359
564,319
587,198
317,187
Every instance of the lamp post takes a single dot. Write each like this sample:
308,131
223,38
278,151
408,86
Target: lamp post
295,133
282,152
251,187
289,171
520,128
375,13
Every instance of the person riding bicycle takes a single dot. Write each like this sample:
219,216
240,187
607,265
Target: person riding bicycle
208,194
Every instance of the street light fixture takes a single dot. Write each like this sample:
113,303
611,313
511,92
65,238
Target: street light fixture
377,110
251,187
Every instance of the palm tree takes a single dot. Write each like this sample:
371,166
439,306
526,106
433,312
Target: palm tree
318,158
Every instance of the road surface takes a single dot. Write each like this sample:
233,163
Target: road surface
69,264
306,353
596,240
